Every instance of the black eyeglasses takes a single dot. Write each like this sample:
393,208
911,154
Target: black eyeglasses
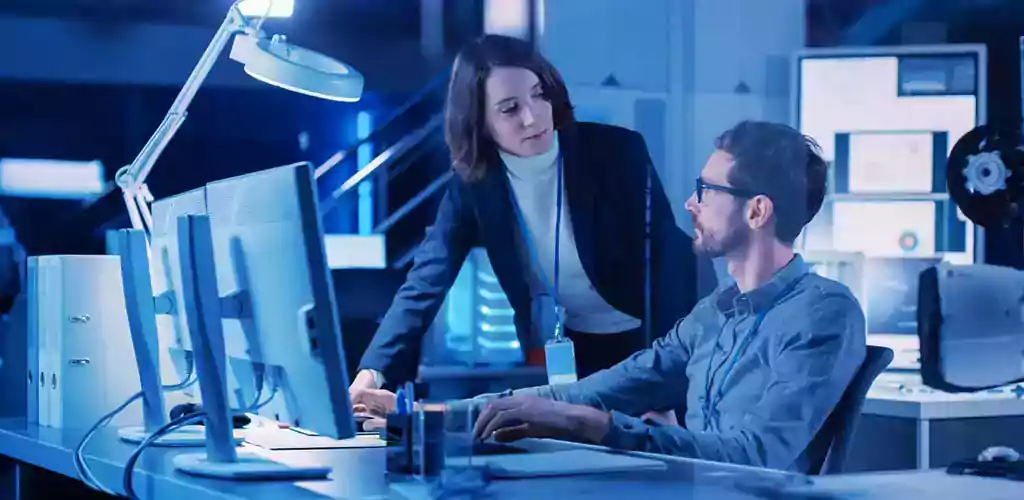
737,192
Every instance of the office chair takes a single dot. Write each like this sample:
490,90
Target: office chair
841,423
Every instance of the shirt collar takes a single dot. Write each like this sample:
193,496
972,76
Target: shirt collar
763,297
531,167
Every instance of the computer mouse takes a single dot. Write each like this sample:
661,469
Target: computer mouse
184,409
238,420
999,454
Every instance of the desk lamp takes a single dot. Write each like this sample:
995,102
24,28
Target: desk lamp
271,60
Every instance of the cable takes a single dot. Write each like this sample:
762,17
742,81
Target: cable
167,429
129,467
190,375
82,467
79,458
259,373
258,405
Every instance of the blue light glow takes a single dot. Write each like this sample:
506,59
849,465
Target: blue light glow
41,178
270,8
364,154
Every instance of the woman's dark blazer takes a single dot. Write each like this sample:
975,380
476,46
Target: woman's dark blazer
605,170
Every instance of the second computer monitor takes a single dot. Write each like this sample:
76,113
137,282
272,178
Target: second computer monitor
165,271
270,261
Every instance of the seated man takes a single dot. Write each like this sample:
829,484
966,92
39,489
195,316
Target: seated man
762,362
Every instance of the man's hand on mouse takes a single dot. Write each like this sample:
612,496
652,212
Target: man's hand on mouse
518,417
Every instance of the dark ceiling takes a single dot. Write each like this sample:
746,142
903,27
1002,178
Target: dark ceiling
392,16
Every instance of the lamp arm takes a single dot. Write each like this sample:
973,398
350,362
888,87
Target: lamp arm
132,178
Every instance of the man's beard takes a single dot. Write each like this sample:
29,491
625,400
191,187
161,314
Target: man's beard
714,247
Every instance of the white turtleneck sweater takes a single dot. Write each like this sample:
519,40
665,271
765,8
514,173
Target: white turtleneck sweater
533,182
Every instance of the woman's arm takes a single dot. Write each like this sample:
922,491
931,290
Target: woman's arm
395,349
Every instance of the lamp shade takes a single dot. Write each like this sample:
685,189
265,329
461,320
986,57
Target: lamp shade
294,68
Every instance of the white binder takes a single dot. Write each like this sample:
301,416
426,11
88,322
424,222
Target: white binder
32,343
79,341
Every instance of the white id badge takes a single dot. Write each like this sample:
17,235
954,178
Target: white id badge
560,359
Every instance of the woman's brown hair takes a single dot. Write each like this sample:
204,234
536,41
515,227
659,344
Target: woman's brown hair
472,149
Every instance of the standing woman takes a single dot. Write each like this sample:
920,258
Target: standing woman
532,181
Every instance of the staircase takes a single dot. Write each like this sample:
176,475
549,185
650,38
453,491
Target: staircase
403,181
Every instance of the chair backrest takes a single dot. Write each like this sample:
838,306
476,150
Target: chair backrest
841,423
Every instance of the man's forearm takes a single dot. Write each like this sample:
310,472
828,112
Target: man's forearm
631,433
576,394
590,424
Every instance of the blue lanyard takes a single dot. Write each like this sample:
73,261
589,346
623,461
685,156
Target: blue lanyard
711,405
531,246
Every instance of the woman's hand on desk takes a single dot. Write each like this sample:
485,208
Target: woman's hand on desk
519,417
364,380
376,402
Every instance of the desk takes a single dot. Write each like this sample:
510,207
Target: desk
52,449
923,428
913,484
359,473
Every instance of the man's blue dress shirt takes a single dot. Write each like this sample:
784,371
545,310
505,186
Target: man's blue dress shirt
768,407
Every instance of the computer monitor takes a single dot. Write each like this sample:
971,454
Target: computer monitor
151,278
886,119
269,246
166,277
165,270
259,250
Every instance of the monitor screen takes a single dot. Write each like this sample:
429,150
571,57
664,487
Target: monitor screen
886,120
884,229
890,162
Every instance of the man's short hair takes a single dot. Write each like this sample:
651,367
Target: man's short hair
783,164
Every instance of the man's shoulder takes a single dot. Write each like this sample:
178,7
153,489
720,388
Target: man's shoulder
825,301
824,288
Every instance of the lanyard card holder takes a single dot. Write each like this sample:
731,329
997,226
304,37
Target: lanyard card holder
548,316
559,351
561,361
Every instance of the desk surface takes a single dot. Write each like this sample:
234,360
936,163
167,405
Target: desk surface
933,484
359,473
905,396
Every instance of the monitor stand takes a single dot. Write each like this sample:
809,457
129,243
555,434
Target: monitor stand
190,435
205,326
187,436
247,466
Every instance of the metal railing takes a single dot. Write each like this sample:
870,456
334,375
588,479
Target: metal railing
383,160
374,136
413,202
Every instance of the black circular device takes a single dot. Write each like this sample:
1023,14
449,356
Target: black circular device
985,175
